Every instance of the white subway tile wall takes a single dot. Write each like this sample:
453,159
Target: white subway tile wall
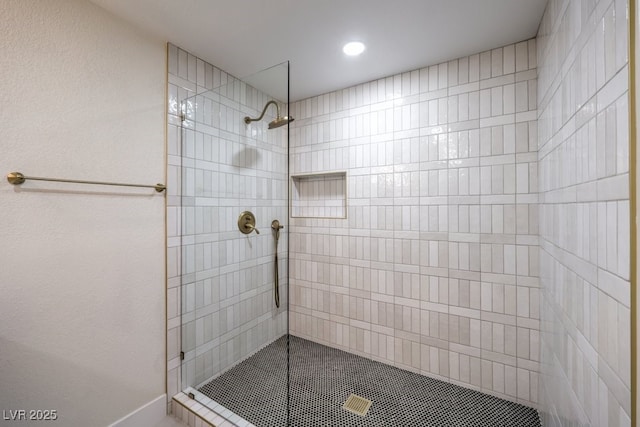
220,281
435,270
583,159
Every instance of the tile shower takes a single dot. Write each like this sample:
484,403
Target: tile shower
584,212
465,221
221,281
435,270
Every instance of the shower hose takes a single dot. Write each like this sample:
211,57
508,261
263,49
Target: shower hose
275,225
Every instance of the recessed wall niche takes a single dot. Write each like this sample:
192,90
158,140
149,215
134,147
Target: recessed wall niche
319,195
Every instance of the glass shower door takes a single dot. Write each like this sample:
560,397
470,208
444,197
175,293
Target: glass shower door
234,186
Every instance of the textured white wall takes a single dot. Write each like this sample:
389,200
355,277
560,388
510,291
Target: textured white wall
81,268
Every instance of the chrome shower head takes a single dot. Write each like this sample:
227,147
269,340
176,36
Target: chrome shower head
277,122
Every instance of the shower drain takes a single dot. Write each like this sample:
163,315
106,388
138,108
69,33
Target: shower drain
357,405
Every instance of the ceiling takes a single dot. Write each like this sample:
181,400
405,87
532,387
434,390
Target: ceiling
243,37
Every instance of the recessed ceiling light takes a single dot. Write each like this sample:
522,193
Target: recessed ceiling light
353,48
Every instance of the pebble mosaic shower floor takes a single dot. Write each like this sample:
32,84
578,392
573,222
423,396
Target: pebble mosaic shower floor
322,378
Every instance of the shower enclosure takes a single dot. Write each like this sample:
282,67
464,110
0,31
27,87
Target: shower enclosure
234,188
395,299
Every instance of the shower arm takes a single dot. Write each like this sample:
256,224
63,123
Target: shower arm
248,119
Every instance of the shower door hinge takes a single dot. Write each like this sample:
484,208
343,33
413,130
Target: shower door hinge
191,396
182,355
183,112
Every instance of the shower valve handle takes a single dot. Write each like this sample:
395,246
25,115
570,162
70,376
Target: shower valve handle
247,223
